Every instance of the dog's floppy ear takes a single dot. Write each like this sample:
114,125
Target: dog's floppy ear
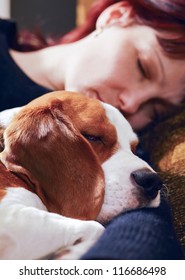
43,147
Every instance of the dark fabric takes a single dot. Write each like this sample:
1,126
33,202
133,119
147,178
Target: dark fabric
144,234
16,89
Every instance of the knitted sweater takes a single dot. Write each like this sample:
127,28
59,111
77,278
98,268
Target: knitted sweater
144,234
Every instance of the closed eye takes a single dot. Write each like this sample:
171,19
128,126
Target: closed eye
92,138
141,68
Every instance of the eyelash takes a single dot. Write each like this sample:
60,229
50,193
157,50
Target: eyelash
141,68
92,138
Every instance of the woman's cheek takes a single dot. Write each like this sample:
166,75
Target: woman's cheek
139,120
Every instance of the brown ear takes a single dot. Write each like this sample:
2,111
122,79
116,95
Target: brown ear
42,144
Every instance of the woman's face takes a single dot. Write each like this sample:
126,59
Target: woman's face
127,68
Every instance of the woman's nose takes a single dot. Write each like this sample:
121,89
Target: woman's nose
128,104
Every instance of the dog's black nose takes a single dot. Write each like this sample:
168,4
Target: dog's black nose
148,180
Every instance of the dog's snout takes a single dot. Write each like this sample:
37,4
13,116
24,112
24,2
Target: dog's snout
148,180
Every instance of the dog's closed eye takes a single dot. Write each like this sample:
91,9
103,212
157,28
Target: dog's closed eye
93,138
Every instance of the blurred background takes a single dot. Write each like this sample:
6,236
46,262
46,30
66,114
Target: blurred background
53,17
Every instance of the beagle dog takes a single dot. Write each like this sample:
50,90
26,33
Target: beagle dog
67,167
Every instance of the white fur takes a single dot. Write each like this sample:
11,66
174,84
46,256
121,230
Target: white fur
7,115
120,192
28,231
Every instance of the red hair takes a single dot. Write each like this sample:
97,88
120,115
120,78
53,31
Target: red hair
168,15
34,40
164,15
96,9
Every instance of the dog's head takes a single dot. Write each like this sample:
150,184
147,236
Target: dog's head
64,144
44,146
130,182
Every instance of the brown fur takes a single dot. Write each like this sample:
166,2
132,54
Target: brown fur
8,179
44,145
